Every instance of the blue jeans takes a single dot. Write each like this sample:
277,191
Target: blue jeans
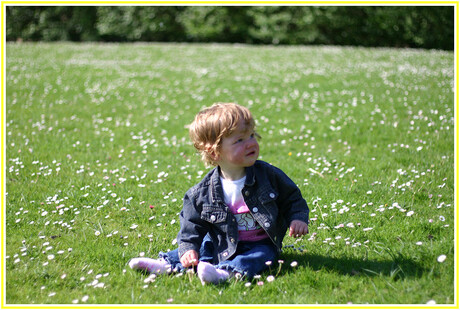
249,259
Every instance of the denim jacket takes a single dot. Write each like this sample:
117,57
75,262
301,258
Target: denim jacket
273,199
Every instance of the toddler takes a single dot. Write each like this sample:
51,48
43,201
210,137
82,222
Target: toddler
235,219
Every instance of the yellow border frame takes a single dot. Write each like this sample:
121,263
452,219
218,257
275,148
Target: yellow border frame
224,306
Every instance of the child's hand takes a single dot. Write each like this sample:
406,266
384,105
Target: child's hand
298,228
190,258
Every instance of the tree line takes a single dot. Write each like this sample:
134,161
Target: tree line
429,27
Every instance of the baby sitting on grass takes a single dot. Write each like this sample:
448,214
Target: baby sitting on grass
235,219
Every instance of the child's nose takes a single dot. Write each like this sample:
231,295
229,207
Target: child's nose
251,143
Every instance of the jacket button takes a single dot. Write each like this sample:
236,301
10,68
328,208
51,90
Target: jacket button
255,210
246,193
267,224
225,254
213,218
272,195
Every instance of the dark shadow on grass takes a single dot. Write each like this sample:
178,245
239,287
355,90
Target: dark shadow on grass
396,268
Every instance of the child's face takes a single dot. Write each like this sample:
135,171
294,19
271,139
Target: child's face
238,150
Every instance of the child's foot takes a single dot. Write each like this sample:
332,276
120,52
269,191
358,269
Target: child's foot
156,266
210,274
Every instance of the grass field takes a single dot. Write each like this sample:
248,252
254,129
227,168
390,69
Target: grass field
98,159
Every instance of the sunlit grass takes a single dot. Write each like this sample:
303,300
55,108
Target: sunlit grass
98,160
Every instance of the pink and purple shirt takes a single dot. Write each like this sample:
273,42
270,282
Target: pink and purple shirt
248,228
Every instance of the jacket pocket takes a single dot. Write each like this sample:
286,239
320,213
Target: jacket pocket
268,211
268,195
213,214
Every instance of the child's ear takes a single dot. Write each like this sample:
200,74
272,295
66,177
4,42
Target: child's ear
212,153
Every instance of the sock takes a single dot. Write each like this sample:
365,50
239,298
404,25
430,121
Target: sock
210,274
156,266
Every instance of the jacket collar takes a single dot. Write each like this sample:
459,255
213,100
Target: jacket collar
217,192
250,176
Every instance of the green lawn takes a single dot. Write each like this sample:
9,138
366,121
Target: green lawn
98,159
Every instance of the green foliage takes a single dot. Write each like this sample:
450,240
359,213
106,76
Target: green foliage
284,25
429,27
139,23
51,23
216,24
392,26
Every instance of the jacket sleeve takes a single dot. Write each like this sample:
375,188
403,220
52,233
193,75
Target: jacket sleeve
193,228
291,203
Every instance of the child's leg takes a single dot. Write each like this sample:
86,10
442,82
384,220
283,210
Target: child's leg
167,263
210,274
170,261
156,266
251,258
207,252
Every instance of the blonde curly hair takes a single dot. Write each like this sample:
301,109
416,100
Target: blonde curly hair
215,122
